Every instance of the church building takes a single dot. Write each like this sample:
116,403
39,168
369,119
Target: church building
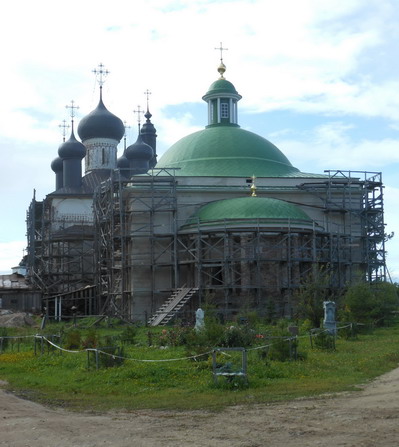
222,216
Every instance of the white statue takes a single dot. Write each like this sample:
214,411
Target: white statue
329,317
199,319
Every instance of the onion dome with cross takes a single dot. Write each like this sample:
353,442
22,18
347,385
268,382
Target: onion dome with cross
101,131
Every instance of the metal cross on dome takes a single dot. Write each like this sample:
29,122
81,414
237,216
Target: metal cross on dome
73,107
221,49
101,73
147,93
64,126
138,112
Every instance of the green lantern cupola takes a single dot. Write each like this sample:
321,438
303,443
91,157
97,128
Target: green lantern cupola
222,98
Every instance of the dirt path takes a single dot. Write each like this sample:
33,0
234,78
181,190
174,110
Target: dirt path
368,418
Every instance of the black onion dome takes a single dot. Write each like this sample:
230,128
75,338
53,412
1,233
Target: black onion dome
122,162
57,165
72,149
101,123
148,127
139,150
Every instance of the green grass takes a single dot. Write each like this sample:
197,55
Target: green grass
64,379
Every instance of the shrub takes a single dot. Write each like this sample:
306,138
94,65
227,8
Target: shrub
234,337
282,348
314,290
91,340
175,336
73,339
213,332
322,339
370,303
4,341
113,356
128,335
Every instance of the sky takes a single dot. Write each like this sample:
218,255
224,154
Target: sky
319,79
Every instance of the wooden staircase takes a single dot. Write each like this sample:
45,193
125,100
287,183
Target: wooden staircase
172,305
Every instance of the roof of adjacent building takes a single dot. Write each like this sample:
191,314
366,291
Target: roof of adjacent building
89,183
13,281
247,210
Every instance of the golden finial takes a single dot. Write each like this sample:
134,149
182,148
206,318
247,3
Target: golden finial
221,70
222,67
253,187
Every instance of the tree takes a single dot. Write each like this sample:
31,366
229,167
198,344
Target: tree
314,290
371,303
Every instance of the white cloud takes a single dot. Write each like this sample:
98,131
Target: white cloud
329,145
334,58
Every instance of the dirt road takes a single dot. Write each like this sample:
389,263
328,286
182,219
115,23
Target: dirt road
366,418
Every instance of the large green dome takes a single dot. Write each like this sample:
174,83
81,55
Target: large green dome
226,151
249,211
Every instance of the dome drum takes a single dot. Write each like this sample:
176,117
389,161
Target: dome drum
101,154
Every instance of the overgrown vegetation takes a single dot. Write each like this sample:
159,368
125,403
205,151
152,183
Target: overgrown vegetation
370,303
130,367
314,290
185,383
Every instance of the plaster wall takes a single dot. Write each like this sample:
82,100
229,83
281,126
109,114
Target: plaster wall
70,210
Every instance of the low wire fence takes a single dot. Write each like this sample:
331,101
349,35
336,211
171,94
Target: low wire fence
108,356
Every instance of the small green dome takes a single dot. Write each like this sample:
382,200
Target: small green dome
221,86
247,211
226,151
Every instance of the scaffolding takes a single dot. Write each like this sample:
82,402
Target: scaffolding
60,250
136,249
135,227
143,255
261,267
358,196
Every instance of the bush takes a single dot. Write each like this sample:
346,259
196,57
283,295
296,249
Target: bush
214,335
213,332
314,290
176,336
370,303
4,341
73,339
282,348
113,356
322,339
91,340
128,335
238,337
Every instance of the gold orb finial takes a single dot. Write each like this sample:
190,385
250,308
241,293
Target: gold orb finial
222,67
221,70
